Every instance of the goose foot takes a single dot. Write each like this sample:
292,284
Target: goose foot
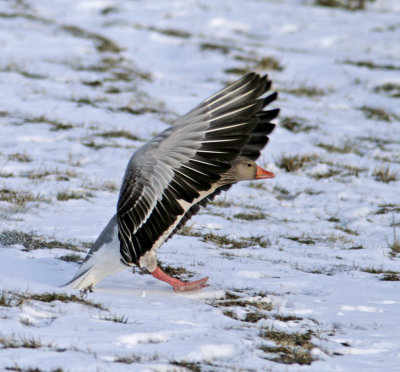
177,284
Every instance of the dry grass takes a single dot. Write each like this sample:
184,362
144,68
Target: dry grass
31,241
268,63
74,194
188,366
376,113
372,65
120,134
384,174
345,4
71,257
291,347
295,124
20,198
28,342
122,319
392,89
250,216
395,245
20,157
305,91
224,49
292,163
302,240
130,359
346,148
224,242
17,298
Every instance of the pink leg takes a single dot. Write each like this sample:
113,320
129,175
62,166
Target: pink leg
177,284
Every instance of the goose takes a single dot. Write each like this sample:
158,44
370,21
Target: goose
175,173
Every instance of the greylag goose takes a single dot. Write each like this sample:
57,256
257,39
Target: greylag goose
171,176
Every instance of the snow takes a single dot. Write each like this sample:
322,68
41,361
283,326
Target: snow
319,258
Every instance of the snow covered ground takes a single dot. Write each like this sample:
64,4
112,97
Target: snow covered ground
304,269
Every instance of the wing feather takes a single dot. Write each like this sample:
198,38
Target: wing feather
187,159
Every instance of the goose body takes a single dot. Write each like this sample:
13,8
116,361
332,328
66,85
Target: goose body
176,172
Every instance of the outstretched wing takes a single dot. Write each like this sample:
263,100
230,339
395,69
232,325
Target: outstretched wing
180,165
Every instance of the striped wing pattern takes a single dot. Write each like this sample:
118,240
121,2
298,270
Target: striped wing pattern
175,167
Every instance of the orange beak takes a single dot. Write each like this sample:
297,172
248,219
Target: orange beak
263,174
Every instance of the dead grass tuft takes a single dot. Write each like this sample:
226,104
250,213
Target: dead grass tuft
189,366
250,216
376,113
295,124
384,174
74,194
120,134
291,347
372,65
345,149
294,162
304,91
224,49
130,359
390,88
31,241
20,157
115,318
345,4
269,63
21,198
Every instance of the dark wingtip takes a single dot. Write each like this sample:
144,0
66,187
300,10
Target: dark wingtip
272,97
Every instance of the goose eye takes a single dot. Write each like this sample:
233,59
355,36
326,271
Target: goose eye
249,165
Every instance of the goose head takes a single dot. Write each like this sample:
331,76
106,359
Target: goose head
245,170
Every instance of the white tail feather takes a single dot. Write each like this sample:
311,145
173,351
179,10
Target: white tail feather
103,259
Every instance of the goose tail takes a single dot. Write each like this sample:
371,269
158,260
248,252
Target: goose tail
103,259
